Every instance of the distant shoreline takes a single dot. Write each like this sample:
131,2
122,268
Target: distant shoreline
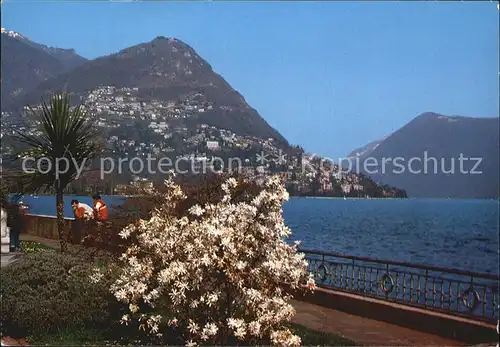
291,196
390,198
346,198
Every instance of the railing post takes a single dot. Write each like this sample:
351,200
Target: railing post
387,272
353,275
425,287
323,263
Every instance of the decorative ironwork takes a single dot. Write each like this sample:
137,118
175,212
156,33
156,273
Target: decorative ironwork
455,291
472,306
387,283
322,272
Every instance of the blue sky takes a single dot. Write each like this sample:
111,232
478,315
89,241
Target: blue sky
330,76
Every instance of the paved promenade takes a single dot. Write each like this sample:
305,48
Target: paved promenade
9,258
367,332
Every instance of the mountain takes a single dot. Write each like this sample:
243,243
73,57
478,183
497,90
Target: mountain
68,57
25,63
165,69
362,151
424,157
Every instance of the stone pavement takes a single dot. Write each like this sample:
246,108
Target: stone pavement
9,258
364,331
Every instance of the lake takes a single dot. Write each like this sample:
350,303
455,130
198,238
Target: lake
460,234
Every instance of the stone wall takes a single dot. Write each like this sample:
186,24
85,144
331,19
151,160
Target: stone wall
87,233
45,226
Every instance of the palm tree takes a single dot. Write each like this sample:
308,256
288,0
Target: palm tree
67,141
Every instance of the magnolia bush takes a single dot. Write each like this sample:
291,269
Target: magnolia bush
218,271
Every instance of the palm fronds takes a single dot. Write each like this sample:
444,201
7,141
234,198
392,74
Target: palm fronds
67,143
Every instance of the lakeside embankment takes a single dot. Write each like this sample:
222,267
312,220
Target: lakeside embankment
452,233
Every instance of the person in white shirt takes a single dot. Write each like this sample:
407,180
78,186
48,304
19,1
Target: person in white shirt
82,210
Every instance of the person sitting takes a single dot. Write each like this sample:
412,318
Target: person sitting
100,208
81,210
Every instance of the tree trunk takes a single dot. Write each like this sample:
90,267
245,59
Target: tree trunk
60,219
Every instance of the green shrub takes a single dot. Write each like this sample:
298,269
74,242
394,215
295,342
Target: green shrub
48,291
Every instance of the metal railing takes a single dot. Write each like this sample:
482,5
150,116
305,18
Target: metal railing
453,291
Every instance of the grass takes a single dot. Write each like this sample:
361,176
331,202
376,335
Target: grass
35,247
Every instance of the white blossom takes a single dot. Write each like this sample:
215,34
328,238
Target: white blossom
222,255
193,327
173,322
196,210
133,308
125,319
124,233
96,276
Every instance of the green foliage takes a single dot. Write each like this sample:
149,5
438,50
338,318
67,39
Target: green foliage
49,291
34,247
48,297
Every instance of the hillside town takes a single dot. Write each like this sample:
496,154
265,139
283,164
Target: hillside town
134,125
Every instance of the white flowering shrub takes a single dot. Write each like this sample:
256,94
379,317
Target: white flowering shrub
219,271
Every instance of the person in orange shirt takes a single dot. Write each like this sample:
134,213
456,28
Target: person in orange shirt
100,208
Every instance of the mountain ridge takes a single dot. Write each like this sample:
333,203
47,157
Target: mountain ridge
26,63
445,138
49,49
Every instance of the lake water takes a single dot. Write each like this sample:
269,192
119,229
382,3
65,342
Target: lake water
460,234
